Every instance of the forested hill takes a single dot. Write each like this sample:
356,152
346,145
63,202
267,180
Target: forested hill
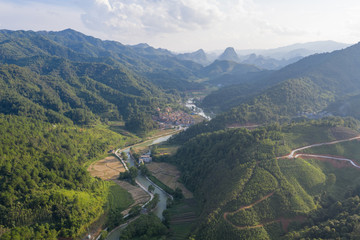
248,193
67,76
151,63
45,190
309,85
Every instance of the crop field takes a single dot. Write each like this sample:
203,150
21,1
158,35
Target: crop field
119,197
169,175
138,195
108,168
184,217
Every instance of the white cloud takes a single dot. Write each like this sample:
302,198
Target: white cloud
191,24
155,16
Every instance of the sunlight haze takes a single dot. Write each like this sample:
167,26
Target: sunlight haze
189,25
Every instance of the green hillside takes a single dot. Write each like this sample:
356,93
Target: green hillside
246,192
67,76
46,191
307,86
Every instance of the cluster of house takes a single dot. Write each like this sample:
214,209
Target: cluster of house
145,158
168,118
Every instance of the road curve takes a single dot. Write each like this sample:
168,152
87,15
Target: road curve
293,155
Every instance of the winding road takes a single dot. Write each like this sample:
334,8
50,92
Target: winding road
143,183
294,155
285,221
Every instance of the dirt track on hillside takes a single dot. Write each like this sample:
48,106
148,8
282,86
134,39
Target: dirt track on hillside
284,221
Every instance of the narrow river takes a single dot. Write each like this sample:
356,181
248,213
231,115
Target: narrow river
163,196
190,104
161,206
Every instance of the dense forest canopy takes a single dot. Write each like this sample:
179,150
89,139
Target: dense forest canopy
260,191
44,185
310,85
67,76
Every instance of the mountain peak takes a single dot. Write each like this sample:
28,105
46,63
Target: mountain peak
199,57
229,54
141,45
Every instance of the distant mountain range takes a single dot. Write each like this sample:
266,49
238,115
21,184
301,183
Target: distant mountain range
320,82
270,59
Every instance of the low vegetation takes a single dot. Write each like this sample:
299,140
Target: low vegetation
145,227
277,192
118,200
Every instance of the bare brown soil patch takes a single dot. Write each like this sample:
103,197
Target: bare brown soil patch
169,175
138,194
108,168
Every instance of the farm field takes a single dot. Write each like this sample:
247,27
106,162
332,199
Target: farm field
169,175
108,168
138,195
183,219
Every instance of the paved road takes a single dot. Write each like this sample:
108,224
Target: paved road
294,155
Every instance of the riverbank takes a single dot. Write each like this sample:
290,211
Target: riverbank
144,183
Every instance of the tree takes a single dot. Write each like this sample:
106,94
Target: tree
178,194
124,156
135,210
143,170
151,188
129,175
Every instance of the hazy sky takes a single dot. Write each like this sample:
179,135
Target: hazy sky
187,25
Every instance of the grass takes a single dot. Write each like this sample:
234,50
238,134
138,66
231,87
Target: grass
349,150
158,133
143,146
302,135
299,136
161,184
106,135
118,197
347,178
165,149
182,229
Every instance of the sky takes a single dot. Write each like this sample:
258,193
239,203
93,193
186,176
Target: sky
188,25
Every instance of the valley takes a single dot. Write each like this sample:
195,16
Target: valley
134,142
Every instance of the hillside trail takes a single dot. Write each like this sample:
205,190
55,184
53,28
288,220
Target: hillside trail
248,206
285,221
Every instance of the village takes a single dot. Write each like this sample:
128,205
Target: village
169,118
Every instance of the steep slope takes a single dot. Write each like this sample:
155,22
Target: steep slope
224,73
267,62
229,55
148,62
157,65
67,75
297,50
309,85
199,57
247,193
45,191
